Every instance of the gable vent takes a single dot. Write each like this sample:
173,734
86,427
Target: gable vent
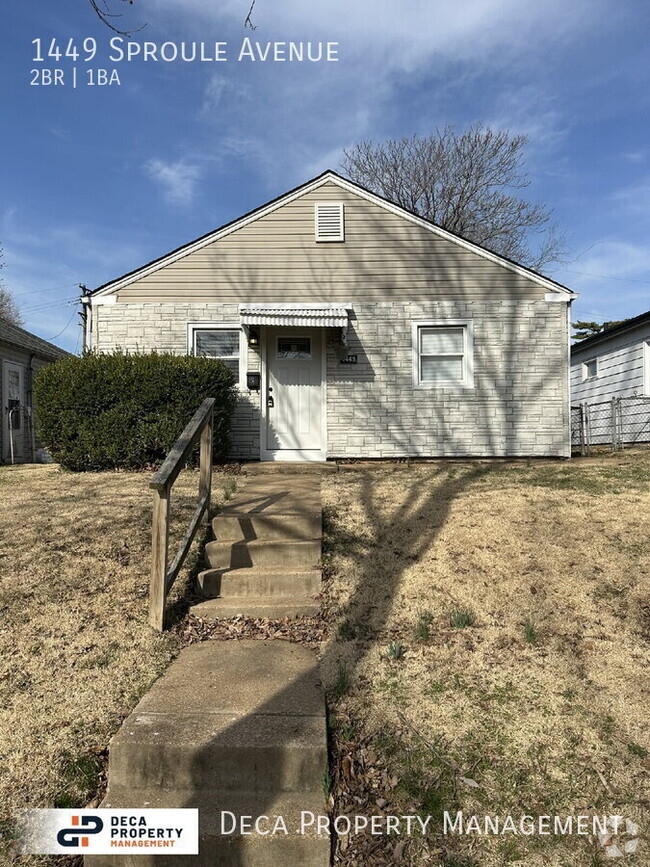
330,224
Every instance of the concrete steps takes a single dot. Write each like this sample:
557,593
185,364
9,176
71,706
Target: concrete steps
264,559
240,526
259,582
270,607
260,753
263,553
232,727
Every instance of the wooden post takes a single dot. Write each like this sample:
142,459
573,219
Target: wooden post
614,437
205,463
162,574
159,548
583,432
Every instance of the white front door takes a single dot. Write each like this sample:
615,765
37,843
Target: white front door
13,419
293,405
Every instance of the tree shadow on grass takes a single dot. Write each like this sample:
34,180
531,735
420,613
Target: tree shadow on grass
370,605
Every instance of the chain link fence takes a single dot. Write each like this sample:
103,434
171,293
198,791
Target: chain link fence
619,422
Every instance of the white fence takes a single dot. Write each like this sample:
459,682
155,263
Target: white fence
619,422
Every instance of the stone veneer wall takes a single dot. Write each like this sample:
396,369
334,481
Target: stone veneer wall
518,406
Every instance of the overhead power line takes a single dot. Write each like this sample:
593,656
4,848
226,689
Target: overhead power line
64,329
607,277
40,291
36,307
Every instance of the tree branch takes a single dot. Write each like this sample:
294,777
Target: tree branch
249,21
105,14
465,182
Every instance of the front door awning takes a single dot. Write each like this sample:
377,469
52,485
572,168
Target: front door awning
301,316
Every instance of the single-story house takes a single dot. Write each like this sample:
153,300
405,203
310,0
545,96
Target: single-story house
22,354
614,364
356,329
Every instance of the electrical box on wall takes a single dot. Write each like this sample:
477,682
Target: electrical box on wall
253,381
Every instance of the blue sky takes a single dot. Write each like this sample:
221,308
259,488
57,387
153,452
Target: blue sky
98,180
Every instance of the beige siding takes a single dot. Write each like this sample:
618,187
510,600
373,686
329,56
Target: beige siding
384,257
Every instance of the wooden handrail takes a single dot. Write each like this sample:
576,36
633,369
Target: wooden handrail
162,575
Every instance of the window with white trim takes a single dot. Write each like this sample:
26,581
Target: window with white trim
443,354
329,221
223,342
590,369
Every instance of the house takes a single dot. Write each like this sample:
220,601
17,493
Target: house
22,355
614,364
356,329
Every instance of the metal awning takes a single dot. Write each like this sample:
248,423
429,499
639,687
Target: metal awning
302,316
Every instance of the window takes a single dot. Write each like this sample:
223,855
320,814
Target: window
294,347
330,224
443,354
217,341
13,398
590,369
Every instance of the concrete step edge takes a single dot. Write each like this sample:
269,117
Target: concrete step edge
256,607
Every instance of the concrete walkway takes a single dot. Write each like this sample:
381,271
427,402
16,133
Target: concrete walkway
239,726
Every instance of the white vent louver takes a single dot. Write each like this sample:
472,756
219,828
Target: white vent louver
330,224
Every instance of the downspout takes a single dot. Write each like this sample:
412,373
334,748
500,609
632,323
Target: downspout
30,403
568,340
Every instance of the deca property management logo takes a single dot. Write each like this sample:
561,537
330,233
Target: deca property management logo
78,834
109,832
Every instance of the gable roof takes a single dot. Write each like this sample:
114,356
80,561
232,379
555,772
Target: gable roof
626,325
16,336
328,176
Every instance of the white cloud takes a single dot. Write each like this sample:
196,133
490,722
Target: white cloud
638,156
218,89
304,114
403,36
178,180
633,200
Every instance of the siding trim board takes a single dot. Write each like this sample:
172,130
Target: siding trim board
326,178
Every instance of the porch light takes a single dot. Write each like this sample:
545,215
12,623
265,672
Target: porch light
253,337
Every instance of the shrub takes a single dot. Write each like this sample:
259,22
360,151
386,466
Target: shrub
126,411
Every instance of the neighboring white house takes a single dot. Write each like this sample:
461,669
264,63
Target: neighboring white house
22,355
614,363
610,377
356,329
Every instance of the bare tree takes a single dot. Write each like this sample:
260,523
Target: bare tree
466,183
8,307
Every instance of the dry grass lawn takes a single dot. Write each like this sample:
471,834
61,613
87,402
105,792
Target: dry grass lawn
489,651
75,651
493,623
